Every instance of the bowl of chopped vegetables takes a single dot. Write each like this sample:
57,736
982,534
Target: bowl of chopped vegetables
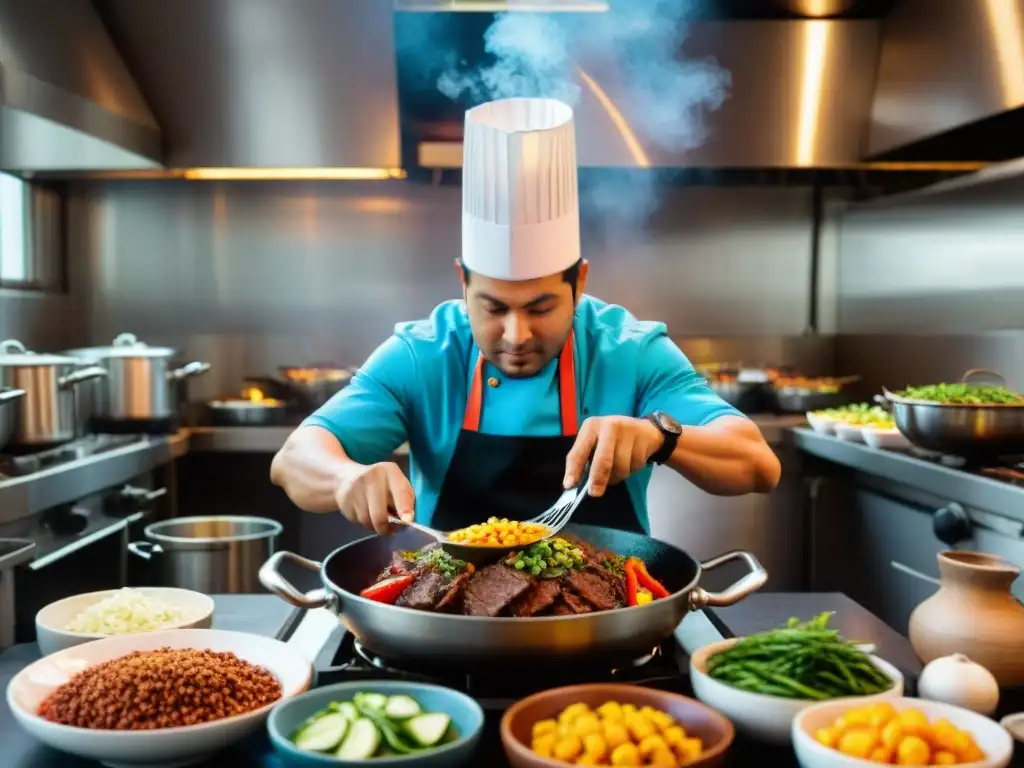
379,724
94,615
761,682
613,724
904,731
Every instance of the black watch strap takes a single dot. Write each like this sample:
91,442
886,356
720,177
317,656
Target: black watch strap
670,431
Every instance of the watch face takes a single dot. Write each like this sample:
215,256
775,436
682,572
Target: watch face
668,423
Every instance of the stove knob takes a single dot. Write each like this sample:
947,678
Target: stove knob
951,524
130,500
67,520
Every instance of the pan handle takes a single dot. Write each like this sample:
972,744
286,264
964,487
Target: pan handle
745,587
271,578
978,371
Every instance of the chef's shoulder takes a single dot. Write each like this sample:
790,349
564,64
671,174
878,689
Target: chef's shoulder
422,350
614,334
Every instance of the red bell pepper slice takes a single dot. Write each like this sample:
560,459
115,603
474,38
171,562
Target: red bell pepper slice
389,590
648,582
631,582
638,578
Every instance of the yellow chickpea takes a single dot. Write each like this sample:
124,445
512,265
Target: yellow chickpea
892,734
662,757
615,734
650,745
913,750
827,737
573,711
542,727
880,755
628,709
913,721
626,754
943,757
587,759
673,735
586,723
595,746
544,745
639,727
858,742
610,710
689,749
568,748
881,713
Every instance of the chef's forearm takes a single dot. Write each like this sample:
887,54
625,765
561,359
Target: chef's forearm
728,457
310,467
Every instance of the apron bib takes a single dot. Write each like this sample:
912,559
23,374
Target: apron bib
520,477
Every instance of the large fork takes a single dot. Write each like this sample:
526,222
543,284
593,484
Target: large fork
553,519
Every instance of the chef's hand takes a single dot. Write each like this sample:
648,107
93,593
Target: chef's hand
368,494
620,446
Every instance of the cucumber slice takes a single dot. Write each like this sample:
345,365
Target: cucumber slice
401,708
428,730
361,742
392,738
348,709
323,734
375,701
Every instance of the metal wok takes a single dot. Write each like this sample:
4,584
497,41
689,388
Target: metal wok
445,639
979,432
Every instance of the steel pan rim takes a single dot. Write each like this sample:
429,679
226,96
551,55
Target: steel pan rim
342,596
897,399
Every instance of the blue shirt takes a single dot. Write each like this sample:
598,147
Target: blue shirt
414,388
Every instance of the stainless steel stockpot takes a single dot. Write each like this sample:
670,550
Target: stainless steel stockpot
45,415
141,385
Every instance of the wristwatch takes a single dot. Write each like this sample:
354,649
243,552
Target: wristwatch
670,430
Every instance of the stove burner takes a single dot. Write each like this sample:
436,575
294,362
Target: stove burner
665,667
379,662
1008,469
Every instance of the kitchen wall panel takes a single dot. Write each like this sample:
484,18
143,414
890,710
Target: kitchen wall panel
932,284
253,275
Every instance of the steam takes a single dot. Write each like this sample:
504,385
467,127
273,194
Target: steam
665,98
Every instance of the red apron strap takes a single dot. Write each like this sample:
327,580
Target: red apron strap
566,393
567,388
475,401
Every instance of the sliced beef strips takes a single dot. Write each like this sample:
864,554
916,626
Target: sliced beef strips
492,589
452,600
538,598
426,592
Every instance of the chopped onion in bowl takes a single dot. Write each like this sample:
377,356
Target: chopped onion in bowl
127,611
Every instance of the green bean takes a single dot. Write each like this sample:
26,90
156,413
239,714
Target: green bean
802,660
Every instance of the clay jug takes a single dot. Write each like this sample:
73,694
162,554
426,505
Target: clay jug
975,614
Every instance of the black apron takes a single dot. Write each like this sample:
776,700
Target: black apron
520,477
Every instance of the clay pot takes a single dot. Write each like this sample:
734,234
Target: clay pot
975,614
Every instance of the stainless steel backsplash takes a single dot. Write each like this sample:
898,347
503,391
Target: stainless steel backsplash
932,284
252,275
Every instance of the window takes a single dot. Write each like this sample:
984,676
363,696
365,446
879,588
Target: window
31,236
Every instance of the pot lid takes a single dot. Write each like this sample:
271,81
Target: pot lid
127,345
13,353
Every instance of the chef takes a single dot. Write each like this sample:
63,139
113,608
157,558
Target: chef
504,396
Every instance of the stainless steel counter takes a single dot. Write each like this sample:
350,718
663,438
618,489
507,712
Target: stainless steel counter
968,489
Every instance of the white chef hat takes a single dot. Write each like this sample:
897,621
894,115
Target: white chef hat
520,204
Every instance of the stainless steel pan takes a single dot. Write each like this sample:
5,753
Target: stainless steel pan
403,633
980,432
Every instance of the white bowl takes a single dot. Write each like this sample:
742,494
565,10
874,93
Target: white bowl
851,433
165,747
51,620
993,740
758,715
823,425
885,439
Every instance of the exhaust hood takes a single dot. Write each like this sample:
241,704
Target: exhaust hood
800,97
66,100
275,87
951,81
